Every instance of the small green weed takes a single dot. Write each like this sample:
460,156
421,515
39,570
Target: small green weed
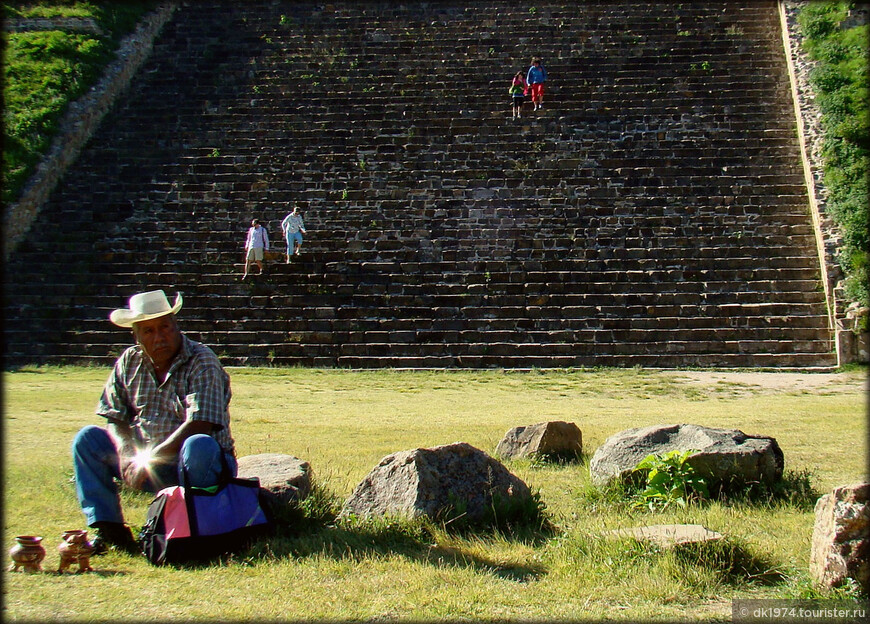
669,479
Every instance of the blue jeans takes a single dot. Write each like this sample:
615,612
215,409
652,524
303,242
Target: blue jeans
97,465
292,238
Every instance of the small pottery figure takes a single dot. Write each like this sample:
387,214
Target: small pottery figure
27,553
75,548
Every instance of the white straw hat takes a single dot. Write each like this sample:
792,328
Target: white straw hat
144,307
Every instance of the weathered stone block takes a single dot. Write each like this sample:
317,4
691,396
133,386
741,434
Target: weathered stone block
285,479
724,457
554,438
841,537
445,480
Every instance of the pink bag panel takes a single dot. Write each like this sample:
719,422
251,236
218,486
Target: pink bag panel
175,518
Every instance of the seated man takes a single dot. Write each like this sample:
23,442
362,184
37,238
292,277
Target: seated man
167,406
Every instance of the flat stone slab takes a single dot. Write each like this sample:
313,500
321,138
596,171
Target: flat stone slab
285,479
668,535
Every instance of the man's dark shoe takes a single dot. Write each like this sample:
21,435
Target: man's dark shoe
113,536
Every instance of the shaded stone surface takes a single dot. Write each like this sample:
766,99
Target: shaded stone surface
285,479
668,535
841,537
513,291
554,438
723,457
450,479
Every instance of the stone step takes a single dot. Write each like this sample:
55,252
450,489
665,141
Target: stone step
660,190
249,356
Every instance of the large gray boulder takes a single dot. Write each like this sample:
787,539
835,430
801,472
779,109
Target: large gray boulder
548,439
724,457
841,537
451,480
285,479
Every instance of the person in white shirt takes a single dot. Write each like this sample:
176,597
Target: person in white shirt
256,245
293,229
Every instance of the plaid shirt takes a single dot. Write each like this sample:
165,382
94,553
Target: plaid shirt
196,388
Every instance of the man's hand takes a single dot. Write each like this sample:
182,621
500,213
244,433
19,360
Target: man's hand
137,468
134,473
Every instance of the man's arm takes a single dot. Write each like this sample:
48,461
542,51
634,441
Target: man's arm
134,470
123,434
114,406
167,451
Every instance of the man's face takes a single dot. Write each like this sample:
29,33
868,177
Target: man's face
160,338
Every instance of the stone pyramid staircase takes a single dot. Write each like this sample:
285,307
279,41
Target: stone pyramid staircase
652,214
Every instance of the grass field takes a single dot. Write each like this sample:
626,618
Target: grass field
344,422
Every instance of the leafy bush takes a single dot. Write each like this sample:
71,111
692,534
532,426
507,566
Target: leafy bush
669,479
840,80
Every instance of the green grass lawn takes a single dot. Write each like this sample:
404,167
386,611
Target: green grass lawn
344,422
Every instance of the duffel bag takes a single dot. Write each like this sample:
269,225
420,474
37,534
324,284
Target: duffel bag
186,524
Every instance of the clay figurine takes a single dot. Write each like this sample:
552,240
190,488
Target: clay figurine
75,548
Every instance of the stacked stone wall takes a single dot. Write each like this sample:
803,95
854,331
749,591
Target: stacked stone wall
652,214
852,346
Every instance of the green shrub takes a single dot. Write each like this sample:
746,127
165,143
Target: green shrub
819,20
43,72
669,479
840,80
828,78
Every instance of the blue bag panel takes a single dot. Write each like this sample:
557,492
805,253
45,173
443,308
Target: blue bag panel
228,521
235,506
